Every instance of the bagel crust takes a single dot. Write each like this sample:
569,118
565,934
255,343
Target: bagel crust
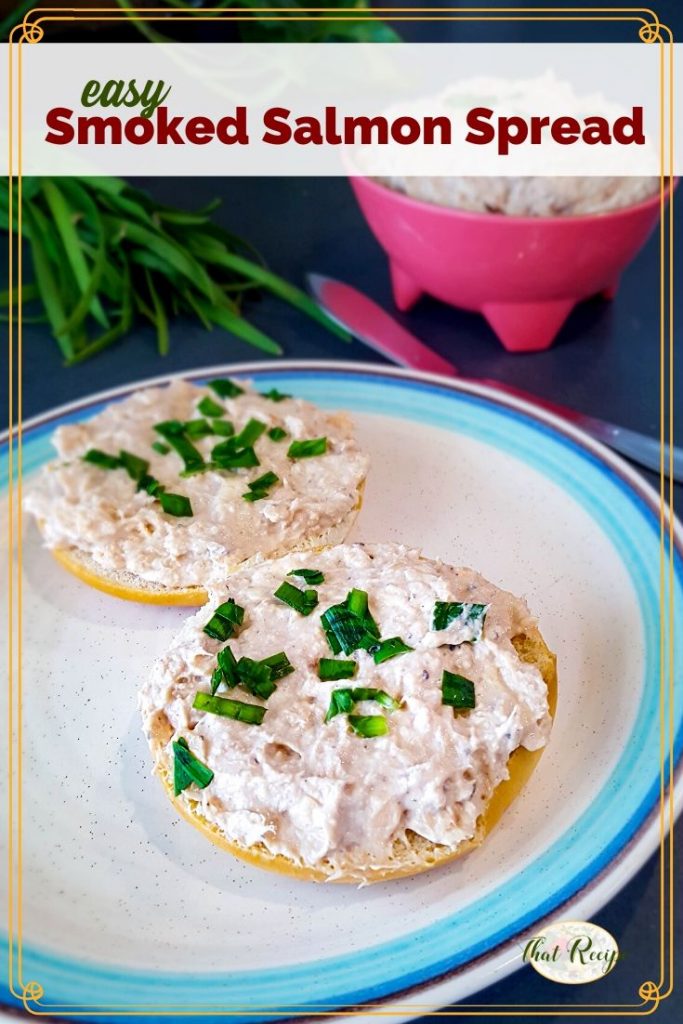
311,797
113,529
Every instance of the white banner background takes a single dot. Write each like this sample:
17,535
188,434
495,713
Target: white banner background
212,79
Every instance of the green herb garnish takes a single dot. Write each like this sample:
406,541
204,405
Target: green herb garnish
175,504
225,388
344,701
313,577
259,488
345,631
192,458
307,449
368,726
472,615
225,620
101,459
249,434
151,485
274,395
226,456
389,649
457,691
302,601
279,665
223,428
160,447
196,429
227,670
331,669
256,678
357,601
207,407
135,467
277,433
252,714
187,768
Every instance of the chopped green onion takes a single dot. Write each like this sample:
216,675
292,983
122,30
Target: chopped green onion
331,669
274,395
160,447
472,615
151,485
187,768
259,488
344,701
178,441
169,428
277,433
225,619
101,459
198,428
389,649
225,388
223,428
134,466
227,455
279,665
256,678
264,481
312,576
457,691
227,667
345,631
307,449
302,601
175,504
341,703
249,434
216,680
252,714
368,726
357,603
207,407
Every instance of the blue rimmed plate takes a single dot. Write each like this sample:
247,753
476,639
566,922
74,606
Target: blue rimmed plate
125,908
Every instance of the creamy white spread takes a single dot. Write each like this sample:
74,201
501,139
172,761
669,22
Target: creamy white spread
317,792
100,513
528,196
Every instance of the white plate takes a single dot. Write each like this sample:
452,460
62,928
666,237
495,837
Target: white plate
125,906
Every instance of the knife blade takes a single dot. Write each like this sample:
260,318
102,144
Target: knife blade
368,322
371,324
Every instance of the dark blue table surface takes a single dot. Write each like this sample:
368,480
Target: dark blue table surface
605,362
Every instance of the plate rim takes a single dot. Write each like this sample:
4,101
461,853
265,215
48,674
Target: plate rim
596,891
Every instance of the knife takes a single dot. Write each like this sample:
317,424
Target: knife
367,321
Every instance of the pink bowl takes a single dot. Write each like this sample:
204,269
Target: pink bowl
524,274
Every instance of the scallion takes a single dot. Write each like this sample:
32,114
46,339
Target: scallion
259,488
341,703
469,615
345,631
302,601
368,726
175,504
196,429
277,433
225,388
313,577
187,768
274,395
160,447
332,669
207,407
227,670
389,649
101,459
223,428
135,467
226,618
252,714
192,458
256,677
457,691
249,434
307,449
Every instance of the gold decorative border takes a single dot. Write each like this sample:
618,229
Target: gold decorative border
31,31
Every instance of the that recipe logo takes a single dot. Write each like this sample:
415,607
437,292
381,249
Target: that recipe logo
153,123
572,952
